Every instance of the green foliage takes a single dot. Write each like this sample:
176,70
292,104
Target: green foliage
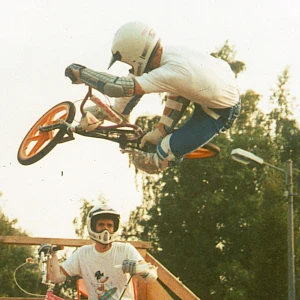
79,223
220,226
12,256
227,53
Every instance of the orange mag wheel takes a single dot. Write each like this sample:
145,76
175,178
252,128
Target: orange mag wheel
206,151
37,144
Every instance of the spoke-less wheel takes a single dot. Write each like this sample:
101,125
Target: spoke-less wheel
206,151
37,144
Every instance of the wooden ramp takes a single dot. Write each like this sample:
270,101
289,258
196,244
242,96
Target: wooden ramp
153,291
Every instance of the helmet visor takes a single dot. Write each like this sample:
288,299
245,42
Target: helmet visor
116,56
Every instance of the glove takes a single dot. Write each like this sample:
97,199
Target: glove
73,72
153,137
136,268
129,266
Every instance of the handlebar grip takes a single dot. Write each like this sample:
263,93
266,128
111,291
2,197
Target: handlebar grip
139,267
56,248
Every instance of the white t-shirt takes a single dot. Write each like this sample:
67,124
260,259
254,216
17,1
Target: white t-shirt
98,271
196,76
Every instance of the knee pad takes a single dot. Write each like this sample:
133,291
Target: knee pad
164,156
163,149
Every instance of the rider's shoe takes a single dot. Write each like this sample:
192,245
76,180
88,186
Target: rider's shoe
146,163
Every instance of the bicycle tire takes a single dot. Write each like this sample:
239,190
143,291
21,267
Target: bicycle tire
206,151
37,144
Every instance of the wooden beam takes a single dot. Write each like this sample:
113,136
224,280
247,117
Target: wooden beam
20,298
171,281
26,240
155,291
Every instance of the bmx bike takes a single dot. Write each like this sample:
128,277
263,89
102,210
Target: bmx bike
56,126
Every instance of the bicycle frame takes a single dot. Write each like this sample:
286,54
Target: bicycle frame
51,296
56,127
119,133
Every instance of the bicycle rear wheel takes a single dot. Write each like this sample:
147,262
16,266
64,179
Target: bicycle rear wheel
206,151
37,144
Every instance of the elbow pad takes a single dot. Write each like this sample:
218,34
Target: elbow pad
110,85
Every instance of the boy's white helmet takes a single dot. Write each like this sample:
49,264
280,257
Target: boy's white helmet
102,212
133,44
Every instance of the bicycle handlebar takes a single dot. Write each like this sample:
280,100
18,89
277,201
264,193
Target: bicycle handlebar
46,249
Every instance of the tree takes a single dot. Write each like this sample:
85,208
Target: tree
79,223
227,53
12,256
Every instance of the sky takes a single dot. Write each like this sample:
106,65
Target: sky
39,39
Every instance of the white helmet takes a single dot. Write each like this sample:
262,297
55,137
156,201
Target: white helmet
134,43
102,212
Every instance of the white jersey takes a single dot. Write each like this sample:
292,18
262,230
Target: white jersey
198,77
97,269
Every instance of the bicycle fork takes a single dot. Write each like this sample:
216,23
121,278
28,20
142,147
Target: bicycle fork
125,287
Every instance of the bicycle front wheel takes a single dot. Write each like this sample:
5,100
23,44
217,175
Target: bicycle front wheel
37,144
206,151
